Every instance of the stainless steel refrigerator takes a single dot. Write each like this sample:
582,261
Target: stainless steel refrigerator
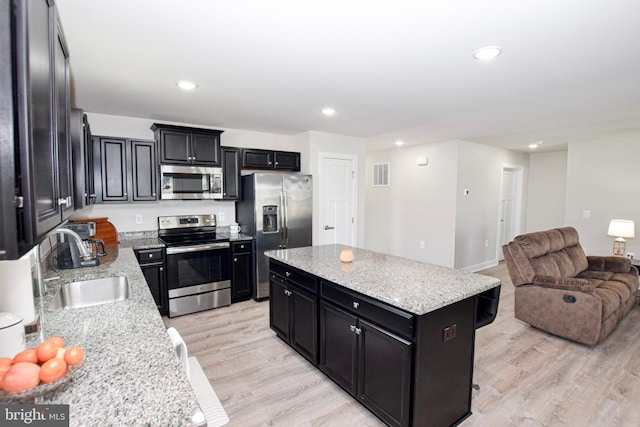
276,209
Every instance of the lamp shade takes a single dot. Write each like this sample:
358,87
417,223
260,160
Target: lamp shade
621,228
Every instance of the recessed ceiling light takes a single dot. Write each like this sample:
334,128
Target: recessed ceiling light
328,111
487,53
533,146
186,85
399,143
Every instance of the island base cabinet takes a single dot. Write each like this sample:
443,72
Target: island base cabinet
444,352
294,317
338,346
367,361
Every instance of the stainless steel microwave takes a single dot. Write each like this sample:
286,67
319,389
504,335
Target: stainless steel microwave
190,182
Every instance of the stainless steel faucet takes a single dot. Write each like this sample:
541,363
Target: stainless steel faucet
83,250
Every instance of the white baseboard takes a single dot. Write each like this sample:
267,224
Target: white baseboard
481,266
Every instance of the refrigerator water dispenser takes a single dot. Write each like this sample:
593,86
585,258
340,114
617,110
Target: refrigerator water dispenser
270,219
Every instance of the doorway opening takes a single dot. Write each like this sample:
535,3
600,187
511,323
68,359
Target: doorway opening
510,212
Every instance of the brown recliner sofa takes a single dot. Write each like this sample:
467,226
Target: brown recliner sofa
562,291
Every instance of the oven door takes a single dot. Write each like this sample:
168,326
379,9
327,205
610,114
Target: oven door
198,277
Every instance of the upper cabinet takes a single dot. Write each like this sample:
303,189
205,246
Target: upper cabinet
253,158
35,123
82,149
125,170
181,145
231,188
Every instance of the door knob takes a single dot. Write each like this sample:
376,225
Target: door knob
326,227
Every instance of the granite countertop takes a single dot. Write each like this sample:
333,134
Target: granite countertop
410,285
131,374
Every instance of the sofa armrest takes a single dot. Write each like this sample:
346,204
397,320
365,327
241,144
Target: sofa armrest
614,264
565,283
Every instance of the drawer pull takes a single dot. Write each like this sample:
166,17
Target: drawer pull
356,305
286,273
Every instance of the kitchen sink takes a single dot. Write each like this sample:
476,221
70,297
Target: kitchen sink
91,292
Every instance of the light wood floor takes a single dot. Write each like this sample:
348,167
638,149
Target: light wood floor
526,377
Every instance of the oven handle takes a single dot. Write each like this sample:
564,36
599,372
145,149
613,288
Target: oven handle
197,248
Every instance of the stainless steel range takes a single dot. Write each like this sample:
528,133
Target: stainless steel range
198,263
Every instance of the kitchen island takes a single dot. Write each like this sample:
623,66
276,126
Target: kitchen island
397,334
131,374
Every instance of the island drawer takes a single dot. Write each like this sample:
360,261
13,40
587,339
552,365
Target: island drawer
385,315
294,275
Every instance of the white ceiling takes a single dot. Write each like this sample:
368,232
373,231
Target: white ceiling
394,69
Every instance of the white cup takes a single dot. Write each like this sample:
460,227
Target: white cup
11,334
234,228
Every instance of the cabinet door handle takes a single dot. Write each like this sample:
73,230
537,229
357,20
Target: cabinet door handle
286,273
358,330
326,227
161,268
62,202
235,260
287,292
353,328
356,305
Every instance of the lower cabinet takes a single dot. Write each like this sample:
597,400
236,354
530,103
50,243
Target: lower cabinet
369,362
241,270
409,370
294,316
152,265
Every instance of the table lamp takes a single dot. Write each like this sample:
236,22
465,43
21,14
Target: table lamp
621,228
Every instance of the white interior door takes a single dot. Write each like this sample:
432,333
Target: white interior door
509,226
337,199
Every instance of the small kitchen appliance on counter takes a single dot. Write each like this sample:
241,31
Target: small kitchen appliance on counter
76,248
11,334
198,263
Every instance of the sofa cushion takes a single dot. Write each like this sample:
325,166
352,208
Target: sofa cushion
614,289
554,252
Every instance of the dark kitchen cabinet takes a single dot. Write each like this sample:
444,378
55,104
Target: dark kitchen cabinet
82,149
293,308
111,177
231,165
368,361
143,171
35,125
408,369
268,159
153,268
127,170
62,111
181,145
241,270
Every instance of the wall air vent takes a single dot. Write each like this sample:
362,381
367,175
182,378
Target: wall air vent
381,174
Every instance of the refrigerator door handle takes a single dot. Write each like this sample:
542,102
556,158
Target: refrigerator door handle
286,220
282,222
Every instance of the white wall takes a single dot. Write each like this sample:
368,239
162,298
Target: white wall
479,170
547,188
419,206
122,216
603,176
